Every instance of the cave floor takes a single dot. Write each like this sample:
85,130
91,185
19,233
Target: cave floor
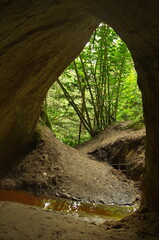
21,222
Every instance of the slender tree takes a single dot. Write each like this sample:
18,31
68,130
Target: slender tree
95,83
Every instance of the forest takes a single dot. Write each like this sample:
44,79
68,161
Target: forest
97,89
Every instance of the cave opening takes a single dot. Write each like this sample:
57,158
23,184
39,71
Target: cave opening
98,88
126,155
37,43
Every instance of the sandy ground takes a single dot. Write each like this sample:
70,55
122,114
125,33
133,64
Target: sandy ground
20,222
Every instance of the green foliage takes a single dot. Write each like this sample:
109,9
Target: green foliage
65,122
130,103
135,124
44,119
98,88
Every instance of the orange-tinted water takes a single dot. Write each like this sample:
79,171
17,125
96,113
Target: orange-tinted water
67,206
19,197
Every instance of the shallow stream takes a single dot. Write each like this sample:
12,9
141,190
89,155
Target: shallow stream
91,212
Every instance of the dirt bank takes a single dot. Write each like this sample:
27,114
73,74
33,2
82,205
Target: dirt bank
121,147
55,169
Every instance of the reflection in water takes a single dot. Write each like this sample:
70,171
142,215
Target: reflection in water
87,209
79,209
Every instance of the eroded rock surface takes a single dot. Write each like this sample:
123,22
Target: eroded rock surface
37,42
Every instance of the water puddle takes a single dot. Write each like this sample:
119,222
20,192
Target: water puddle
91,212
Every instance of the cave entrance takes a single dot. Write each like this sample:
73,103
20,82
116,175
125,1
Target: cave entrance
97,89
35,51
75,101
96,81
38,41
